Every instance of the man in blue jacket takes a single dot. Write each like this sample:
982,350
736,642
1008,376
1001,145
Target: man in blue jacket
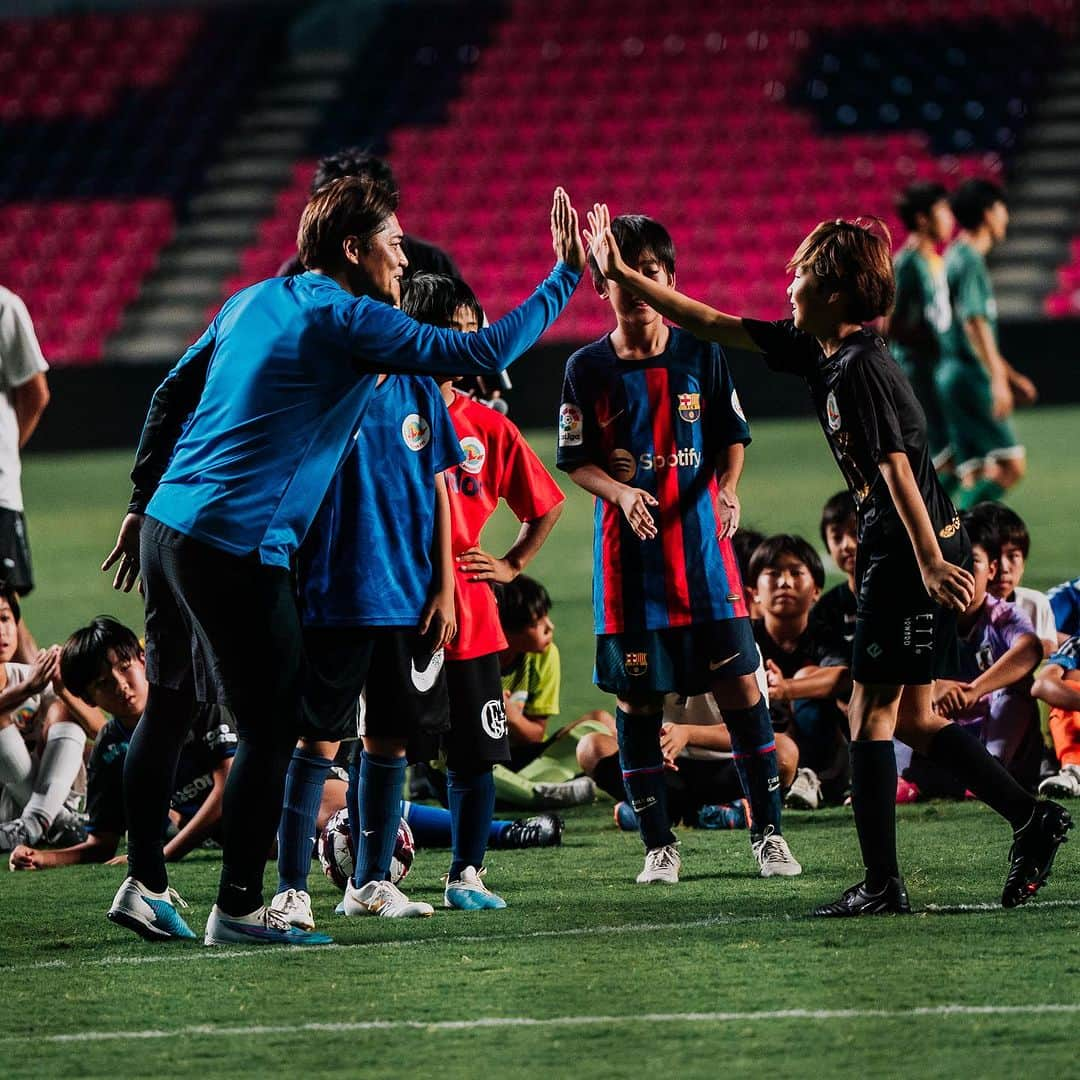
239,447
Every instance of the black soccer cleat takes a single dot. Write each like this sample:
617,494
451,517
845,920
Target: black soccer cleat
1032,852
544,830
858,900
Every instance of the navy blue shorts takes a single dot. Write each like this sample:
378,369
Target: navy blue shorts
686,660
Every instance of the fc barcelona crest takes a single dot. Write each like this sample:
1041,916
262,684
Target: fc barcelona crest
637,663
690,407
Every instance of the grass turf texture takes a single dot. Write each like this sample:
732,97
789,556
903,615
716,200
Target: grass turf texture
579,940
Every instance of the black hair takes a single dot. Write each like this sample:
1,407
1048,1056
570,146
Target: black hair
981,530
435,299
8,592
768,552
745,541
1008,524
636,234
521,603
972,199
838,510
352,161
85,653
919,198
352,206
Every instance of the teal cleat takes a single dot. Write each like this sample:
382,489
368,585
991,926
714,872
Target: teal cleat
264,926
151,915
469,893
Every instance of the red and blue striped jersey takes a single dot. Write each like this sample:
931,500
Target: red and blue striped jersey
656,424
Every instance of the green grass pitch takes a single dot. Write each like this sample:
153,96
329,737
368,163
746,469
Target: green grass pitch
585,974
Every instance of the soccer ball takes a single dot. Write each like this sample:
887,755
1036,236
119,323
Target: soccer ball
338,859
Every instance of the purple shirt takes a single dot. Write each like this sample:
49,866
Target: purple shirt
999,626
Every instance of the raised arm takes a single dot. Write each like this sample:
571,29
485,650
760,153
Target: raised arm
699,319
386,339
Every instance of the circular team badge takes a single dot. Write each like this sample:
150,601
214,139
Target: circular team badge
493,719
621,465
416,431
474,452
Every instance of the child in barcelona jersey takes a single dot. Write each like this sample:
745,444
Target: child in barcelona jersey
650,423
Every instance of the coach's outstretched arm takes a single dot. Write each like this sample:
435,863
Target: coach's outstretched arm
702,321
386,339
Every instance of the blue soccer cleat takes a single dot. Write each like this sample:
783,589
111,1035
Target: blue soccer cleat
469,893
625,818
264,926
151,915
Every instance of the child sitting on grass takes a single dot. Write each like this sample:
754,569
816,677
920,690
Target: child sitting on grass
544,768
1058,685
990,692
104,665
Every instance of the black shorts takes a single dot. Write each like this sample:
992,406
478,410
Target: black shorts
902,638
223,626
684,660
15,566
478,732
371,680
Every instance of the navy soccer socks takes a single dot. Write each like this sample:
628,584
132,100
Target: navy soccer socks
299,814
873,802
472,806
643,775
377,783
753,744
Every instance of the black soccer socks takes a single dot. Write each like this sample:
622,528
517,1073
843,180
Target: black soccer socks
873,801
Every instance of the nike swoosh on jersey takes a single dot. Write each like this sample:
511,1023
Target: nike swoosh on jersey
611,419
715,665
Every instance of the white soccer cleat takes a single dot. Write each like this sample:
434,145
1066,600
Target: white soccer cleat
774,856
151,915
1062,785
661,865
469,893
385,899
578,792
805,791
263,926
294,906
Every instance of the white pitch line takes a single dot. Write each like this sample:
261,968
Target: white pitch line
174,953
215,1031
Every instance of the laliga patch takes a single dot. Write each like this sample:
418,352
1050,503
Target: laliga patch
416,431
621,466
832,411
736,406
424,678
493,719
474,452
636,663
690,407
571,425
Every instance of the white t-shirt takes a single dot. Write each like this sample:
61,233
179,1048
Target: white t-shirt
20,361
1036,607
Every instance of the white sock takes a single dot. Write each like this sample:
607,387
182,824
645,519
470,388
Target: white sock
61,760
16,766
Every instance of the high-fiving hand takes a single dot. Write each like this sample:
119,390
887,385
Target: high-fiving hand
565,234
602,243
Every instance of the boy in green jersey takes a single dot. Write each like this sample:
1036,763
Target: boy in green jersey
922,314
978,386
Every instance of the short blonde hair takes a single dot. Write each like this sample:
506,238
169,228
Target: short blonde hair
856,258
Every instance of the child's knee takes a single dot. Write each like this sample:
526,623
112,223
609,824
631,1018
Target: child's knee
593,748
